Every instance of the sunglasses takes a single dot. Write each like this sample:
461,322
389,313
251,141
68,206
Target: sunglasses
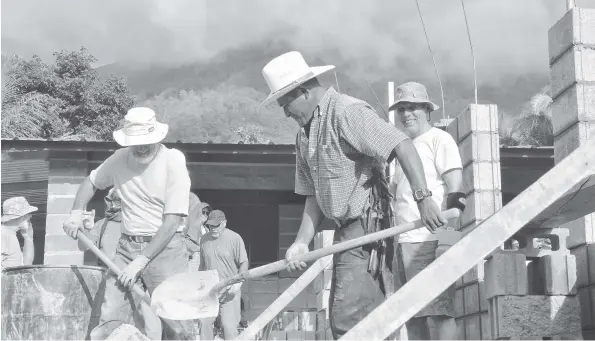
210,227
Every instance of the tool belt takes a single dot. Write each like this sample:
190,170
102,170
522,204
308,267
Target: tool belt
379,216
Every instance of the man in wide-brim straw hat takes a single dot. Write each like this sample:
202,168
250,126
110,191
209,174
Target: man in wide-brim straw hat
16,217
342,149
153,184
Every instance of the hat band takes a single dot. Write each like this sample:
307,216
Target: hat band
138,129
300,80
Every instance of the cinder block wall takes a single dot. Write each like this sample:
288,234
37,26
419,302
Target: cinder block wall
476,132
572,75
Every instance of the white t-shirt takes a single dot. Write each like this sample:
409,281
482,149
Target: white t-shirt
439,153
148,192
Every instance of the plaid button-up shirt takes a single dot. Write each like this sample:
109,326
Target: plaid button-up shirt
347,139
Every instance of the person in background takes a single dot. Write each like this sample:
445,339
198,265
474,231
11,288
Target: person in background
194,228
443,173
223,250
16,218
106,232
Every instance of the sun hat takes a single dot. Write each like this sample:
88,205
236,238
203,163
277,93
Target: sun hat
412,92
140,127
287,72
16,207
216,217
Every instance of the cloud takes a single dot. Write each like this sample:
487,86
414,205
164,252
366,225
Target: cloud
375,38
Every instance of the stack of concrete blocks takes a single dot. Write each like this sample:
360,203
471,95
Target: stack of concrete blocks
572,74
295,325
322,288
476,132
67,170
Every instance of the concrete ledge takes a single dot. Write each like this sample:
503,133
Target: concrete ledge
574,105
576,65
577,26
526,316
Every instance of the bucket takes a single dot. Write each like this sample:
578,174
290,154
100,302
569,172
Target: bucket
51,302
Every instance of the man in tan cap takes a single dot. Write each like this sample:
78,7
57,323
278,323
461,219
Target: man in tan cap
443,172
16,217
153,184
342,149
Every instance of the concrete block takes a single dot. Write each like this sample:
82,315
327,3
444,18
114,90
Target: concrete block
527,239
323,281
322,320
570,139
289,321
60,243
478,118
460,329
323,238
264,285
577,26
573,105
506,274
473,327
64,258
480,147
486,331
307,321
284,283
520,316
476,273
480,206
302,301
471,299
557,274
292,274
261,301
585,264
59,204
63,188
586,297
329,334
482,176
54,223
483,298
459,303
322,300
278,335
575,65
301,335
453,129
69,167
581,231
312,301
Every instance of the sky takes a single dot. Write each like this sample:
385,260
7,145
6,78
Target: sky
508,36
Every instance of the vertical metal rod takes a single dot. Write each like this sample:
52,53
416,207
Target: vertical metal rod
391,118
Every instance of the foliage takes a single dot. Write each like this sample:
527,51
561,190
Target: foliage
66,99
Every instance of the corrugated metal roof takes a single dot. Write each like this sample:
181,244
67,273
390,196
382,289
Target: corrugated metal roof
24,171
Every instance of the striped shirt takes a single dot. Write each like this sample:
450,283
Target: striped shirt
347,139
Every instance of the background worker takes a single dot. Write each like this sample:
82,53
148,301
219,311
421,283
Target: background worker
16,218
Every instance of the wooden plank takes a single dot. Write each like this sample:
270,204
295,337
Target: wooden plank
476,245
285,298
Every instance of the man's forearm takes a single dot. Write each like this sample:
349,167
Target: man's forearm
83,195
28,251
243,267
411,164
163,236
311,219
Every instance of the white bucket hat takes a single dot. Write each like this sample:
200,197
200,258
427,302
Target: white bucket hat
412,92
140,127
287,72
16,207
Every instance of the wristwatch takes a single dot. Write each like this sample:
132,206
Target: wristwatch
420,194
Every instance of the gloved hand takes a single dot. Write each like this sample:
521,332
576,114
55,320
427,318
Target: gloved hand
88,219
131,272
74,223
295,250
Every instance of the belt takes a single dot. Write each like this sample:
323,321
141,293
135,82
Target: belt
346,222
140,239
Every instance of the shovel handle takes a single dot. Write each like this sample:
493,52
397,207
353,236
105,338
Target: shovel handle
329,250
107,261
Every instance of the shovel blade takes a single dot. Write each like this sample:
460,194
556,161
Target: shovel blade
187,296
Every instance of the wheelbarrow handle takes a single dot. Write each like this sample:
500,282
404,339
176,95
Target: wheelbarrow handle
329,250
113,267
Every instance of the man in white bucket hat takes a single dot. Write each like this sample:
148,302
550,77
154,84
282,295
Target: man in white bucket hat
342,150
16,217
153,184
444,174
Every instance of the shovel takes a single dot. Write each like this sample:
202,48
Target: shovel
195,295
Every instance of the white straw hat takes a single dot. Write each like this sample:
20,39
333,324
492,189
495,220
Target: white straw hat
140,127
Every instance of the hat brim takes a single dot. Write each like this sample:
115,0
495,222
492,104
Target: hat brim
273,96
155,136
9,217
413,100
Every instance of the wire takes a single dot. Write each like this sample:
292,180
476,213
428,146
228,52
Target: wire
433,60
472,53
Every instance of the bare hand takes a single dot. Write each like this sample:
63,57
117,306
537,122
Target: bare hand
430,215
295,250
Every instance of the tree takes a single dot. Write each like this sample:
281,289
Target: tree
67,99
534,126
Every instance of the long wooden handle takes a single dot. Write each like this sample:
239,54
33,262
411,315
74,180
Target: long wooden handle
329,250
107,261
